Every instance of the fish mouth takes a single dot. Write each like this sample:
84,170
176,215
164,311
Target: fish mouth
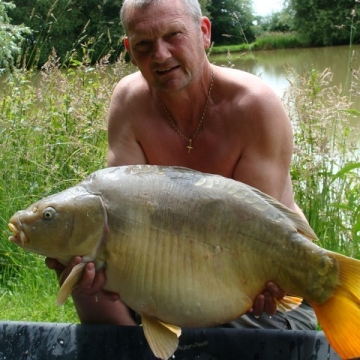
18,236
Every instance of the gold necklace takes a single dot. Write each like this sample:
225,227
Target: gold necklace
190,140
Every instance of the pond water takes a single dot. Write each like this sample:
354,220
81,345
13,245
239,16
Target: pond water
270,64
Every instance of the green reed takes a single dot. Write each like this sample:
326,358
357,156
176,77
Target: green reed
326,161
277,40
52,135
266,41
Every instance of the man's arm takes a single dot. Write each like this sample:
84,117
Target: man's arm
265,160
265,165
123,147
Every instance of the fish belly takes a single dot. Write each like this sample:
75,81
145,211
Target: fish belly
182,281
189,282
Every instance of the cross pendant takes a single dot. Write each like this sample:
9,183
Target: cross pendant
189,146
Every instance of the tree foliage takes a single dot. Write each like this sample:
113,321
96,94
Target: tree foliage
86,31
231,21
325,22
203,5
280,21
11,37
72,28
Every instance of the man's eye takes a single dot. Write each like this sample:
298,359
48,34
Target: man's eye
143,46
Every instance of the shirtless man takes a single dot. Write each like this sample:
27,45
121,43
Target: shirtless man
179,109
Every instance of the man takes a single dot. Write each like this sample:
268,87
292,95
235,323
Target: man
181,110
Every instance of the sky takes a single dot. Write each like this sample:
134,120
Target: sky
266,7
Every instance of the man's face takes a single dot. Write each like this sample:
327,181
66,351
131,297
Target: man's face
166,44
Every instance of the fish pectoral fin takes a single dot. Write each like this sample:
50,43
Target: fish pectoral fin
161,337
68,285
175,329
288,303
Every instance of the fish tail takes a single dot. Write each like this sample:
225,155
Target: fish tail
339,316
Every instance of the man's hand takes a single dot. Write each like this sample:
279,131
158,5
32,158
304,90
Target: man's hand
264,302
94,305
91,283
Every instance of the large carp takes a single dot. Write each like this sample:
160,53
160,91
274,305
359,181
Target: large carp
187,249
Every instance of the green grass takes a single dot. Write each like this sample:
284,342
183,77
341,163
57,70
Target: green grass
266,41
277,40
52,135
28,292
223,49
326,162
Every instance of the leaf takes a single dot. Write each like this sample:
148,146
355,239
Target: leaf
341,206
345,170
356,227
352,112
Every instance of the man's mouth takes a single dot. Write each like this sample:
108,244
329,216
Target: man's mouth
165,71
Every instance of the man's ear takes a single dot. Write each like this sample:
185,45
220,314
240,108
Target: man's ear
127,47
206,31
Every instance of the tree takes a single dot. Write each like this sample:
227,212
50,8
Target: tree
280,21
231,21
325,22
204,4
77,30
11,37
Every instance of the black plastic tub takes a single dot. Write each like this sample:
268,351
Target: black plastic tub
47,341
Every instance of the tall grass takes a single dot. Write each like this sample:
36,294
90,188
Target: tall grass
28,291
266,41
52,134
326,162
277,40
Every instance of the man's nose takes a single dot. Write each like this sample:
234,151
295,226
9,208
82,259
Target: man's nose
161,50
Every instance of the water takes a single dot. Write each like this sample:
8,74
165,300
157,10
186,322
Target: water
270,64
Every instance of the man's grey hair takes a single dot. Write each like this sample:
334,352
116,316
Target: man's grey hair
193,7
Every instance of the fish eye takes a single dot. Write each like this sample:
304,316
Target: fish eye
49,213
